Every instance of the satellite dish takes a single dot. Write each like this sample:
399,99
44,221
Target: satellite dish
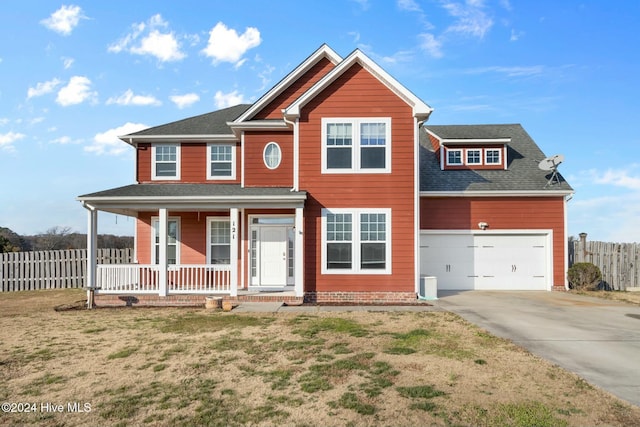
551,164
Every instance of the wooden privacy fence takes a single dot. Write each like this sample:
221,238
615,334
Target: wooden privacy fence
618,262
26,271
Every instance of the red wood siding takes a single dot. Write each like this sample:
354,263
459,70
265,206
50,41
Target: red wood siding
193,236
256,173
273,110
358,94
193,164
462,213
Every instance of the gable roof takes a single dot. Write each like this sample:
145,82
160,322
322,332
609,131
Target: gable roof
203,126
522,174
322,52
420,109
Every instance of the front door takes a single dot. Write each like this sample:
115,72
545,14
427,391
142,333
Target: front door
273,255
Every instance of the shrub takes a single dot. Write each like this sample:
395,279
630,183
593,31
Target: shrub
584,276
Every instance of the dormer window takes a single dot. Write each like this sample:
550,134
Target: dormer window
454,157
492,156
474,156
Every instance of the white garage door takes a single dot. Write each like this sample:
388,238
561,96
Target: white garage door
486,261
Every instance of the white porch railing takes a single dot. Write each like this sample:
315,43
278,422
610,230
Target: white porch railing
182,279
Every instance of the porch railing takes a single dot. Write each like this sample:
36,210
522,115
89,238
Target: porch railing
181,279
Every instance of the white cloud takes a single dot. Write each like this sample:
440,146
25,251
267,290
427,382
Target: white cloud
43,88
471,18
409,5
67,62
515,35
64,140
186,100
618,178
224,100
75,92
108,142
148,39
430,44
128,98
8,139
3,121
225,45
64,20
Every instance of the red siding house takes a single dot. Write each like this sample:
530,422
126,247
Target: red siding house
331,188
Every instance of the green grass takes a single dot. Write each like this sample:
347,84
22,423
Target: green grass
419,392
125,352
526,414
351,401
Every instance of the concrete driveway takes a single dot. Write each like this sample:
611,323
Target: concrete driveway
597,339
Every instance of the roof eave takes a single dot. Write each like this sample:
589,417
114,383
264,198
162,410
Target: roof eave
498,193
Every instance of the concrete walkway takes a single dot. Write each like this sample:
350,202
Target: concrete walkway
594,338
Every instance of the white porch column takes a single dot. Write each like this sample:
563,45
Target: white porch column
233,218
92,248
163,227
299,255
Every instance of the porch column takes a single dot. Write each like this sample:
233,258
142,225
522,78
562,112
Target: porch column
233,217
92,245
299,255
163,264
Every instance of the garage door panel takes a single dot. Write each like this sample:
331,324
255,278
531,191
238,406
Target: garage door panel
486,261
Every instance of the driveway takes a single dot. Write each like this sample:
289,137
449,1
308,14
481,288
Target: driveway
597,339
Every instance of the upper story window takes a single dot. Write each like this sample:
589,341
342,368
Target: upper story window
356,145
454,157
221,164
492,156
165,162
474,157
272,155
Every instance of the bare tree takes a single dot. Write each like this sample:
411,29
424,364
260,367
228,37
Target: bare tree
54,238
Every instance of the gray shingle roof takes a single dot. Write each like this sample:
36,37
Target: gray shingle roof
214,123
523,156
190,190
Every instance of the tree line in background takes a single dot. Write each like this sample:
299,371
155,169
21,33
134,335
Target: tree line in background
57,238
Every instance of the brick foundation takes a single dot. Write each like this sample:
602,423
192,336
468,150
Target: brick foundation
360,298
559,288
148,300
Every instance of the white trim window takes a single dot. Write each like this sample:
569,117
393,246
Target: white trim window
454,157
474,156
173,240
356,241
221,161
492,156
219,240
272,155
356,145
165,161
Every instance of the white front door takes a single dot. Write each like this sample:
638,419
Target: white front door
273,256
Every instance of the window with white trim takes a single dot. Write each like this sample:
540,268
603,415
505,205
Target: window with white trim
173,241
474,156
454,157
492,156
356,145
356,241
221,163
165,161
272,155
219,240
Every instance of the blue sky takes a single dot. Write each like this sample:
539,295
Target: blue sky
75,75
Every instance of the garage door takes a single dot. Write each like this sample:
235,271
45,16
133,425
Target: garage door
486,261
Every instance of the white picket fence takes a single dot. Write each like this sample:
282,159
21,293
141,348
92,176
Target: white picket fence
26,271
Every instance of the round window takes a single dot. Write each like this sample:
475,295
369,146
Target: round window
272,155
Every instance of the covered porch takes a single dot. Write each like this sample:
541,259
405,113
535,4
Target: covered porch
200,240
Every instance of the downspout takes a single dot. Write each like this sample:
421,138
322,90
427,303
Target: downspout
296,149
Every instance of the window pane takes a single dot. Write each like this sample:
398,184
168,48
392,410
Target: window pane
220,254
338,158
473,157
454,157
272,155
493,156
372,256
372,157
339,134
339,255
220,169
373,134
165,169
